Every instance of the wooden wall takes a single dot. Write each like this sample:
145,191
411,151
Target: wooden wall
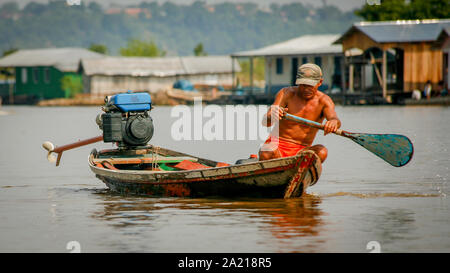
422,62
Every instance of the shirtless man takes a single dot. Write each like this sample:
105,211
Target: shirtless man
303,101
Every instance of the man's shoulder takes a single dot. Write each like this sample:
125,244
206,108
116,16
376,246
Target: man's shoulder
324,98
288,91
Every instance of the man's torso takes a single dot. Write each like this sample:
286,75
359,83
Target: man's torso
311,109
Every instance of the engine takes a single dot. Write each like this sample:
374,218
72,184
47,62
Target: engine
126,120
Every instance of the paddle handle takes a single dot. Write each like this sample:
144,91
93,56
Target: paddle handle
311,123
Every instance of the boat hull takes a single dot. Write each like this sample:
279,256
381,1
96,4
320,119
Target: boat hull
277,178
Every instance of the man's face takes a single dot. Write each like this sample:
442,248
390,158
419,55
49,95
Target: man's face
308,91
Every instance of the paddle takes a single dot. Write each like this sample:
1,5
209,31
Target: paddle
396,150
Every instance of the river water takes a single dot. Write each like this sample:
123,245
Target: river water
358,199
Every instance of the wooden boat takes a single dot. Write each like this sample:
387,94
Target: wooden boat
156,171
179,96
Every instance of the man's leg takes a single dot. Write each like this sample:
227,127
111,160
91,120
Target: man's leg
269,151
321,151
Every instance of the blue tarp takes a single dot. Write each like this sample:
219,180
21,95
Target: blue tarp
184,85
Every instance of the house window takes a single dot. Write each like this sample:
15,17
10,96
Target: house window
24,75
47,75
304,60
318,61
35,75
279,65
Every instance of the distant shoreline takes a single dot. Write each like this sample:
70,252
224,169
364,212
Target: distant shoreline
437,101
158,98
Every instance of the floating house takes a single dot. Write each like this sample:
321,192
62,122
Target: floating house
39,72
282,61
395,57
443,42
102,76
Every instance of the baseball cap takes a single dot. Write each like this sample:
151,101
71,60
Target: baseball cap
309,74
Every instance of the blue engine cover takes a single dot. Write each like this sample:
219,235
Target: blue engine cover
128,102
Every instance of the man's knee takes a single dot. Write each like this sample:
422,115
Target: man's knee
265,155
268,152
320,151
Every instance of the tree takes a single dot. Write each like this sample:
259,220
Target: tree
7,72
136,47
223,28
403,10
99,48
9,51
198,50
10,7
430,9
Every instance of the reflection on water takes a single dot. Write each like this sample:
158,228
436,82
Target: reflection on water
380,195
298,217
283,219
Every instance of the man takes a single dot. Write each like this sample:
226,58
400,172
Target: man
303,101
427,90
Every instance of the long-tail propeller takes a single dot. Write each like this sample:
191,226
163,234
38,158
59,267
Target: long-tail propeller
49,147
52,150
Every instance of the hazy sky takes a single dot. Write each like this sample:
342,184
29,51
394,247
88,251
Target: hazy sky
343,4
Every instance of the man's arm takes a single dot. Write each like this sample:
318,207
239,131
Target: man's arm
276,108
333,123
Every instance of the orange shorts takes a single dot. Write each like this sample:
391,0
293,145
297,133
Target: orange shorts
285,146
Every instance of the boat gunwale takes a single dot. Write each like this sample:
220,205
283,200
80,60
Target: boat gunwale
174,176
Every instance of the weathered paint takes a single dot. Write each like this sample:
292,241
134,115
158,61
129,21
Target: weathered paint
248,180
397,150
297,184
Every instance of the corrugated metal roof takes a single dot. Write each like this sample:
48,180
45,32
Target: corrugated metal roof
400,31
159,67
209,64
65,59
133,66
303,45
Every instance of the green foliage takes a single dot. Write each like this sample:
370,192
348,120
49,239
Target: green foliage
10,7
403,10
9,51
223,28
258,70
99,48
138,47
7,73
199,51
72,85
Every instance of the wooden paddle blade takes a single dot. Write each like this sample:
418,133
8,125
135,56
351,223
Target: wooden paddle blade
397,150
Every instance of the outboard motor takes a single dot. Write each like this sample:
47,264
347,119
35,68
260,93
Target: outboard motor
126,120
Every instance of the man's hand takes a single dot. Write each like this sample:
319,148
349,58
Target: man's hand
331,126
278,111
